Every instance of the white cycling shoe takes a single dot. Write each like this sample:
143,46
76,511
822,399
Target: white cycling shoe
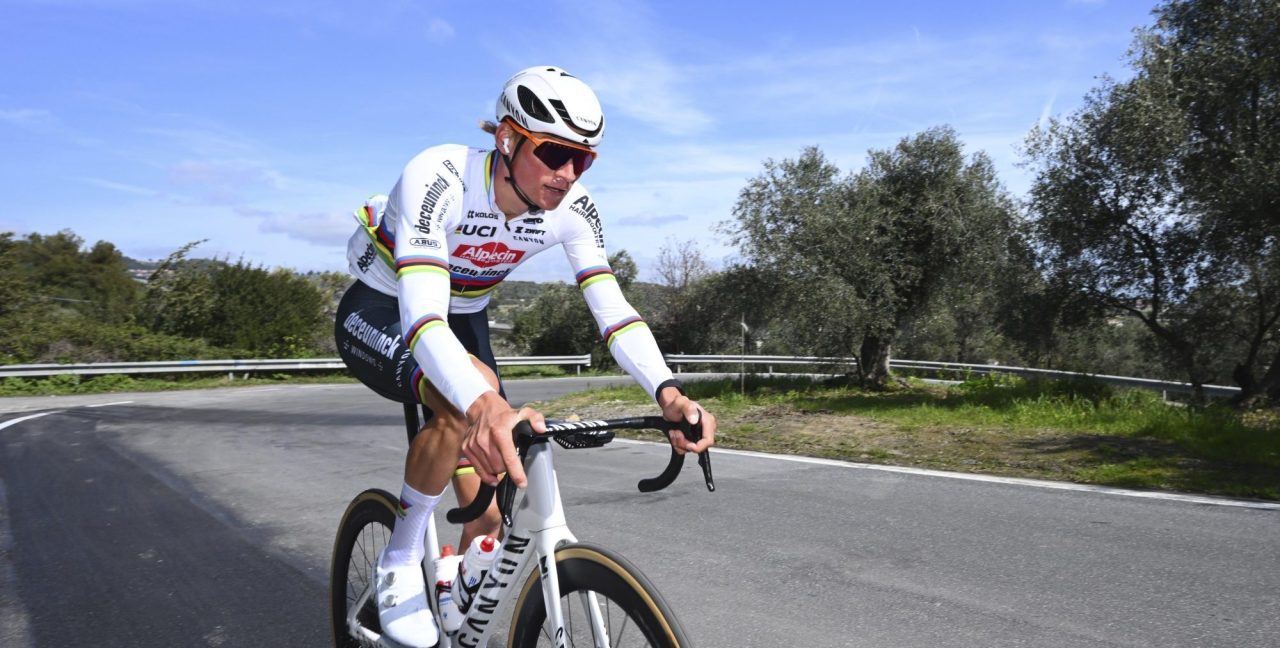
402,606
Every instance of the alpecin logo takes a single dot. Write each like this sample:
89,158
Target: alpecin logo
488,255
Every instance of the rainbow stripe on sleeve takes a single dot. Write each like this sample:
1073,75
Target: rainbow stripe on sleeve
420,384
408,265
594,275
423,324
626,325
383,242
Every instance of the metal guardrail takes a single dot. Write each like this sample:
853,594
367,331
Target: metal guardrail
957,367
313,364
239,366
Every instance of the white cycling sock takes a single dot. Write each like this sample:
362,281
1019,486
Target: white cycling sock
405,546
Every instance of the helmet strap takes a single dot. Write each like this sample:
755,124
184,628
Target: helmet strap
534,209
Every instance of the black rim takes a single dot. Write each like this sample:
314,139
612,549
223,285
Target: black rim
365,531
626,610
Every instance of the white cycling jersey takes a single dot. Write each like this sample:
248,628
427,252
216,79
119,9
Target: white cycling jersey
440,245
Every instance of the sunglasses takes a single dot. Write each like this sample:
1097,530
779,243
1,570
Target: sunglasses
554,153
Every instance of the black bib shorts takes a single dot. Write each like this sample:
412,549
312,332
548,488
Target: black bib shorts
367,330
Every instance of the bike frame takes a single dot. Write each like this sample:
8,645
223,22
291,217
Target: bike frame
538,527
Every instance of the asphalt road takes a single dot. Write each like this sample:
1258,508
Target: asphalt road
207,518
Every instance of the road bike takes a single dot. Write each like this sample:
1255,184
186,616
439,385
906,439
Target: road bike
577,594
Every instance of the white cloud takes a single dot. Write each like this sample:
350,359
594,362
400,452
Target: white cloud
1046,113
26,117
648,89
226,174
122,187
630,67
439,31
651,220
318,228
203,141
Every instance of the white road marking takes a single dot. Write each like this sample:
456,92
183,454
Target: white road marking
26,418
110,404
1016,481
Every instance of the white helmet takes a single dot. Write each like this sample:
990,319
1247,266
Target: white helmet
549,100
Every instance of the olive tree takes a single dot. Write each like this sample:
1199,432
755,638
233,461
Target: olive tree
863,256
1160,197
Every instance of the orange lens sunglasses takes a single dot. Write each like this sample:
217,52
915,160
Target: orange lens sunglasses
555,152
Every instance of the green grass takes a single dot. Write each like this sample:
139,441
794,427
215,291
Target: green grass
1076,430
69,384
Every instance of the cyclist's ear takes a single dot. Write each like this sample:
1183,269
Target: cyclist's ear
502,138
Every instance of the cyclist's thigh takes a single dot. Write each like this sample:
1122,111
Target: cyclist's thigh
472,330
367,332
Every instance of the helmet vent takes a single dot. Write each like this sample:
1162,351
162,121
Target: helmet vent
533,106
568,121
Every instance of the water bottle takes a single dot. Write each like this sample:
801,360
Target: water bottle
446,573
475,564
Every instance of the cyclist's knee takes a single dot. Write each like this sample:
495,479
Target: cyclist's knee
485,371
443,430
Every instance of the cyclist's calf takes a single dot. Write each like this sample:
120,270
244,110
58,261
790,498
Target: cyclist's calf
433,458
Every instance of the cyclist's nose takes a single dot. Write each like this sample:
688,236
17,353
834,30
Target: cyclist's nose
565,172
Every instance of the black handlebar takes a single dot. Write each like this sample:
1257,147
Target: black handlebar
580,435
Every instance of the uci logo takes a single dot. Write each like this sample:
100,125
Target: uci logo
477,230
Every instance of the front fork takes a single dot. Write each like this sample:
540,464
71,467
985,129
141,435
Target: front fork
542,502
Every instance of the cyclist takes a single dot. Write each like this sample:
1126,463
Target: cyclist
414,327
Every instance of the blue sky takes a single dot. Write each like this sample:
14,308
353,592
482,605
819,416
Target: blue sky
260,125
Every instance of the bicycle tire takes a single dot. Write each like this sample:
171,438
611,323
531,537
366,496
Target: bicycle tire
590,568
364,531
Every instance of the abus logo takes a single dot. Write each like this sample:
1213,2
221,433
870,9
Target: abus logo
488,255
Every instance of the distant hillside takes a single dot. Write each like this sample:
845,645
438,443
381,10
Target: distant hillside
134,264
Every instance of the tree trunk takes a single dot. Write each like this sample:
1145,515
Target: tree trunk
873,360
1271,380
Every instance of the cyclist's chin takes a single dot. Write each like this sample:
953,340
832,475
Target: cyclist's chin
551,198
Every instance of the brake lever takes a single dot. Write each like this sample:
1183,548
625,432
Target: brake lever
676,463
506,499
694,434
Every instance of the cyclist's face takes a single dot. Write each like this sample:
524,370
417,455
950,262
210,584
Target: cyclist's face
543,185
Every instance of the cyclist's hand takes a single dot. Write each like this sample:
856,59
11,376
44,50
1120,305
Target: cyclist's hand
678,407
488,442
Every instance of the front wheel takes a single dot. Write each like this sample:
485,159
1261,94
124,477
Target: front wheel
364,532
631,612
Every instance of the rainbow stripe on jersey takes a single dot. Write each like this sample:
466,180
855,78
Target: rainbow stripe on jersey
594,275
625,326
424,323
407,265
